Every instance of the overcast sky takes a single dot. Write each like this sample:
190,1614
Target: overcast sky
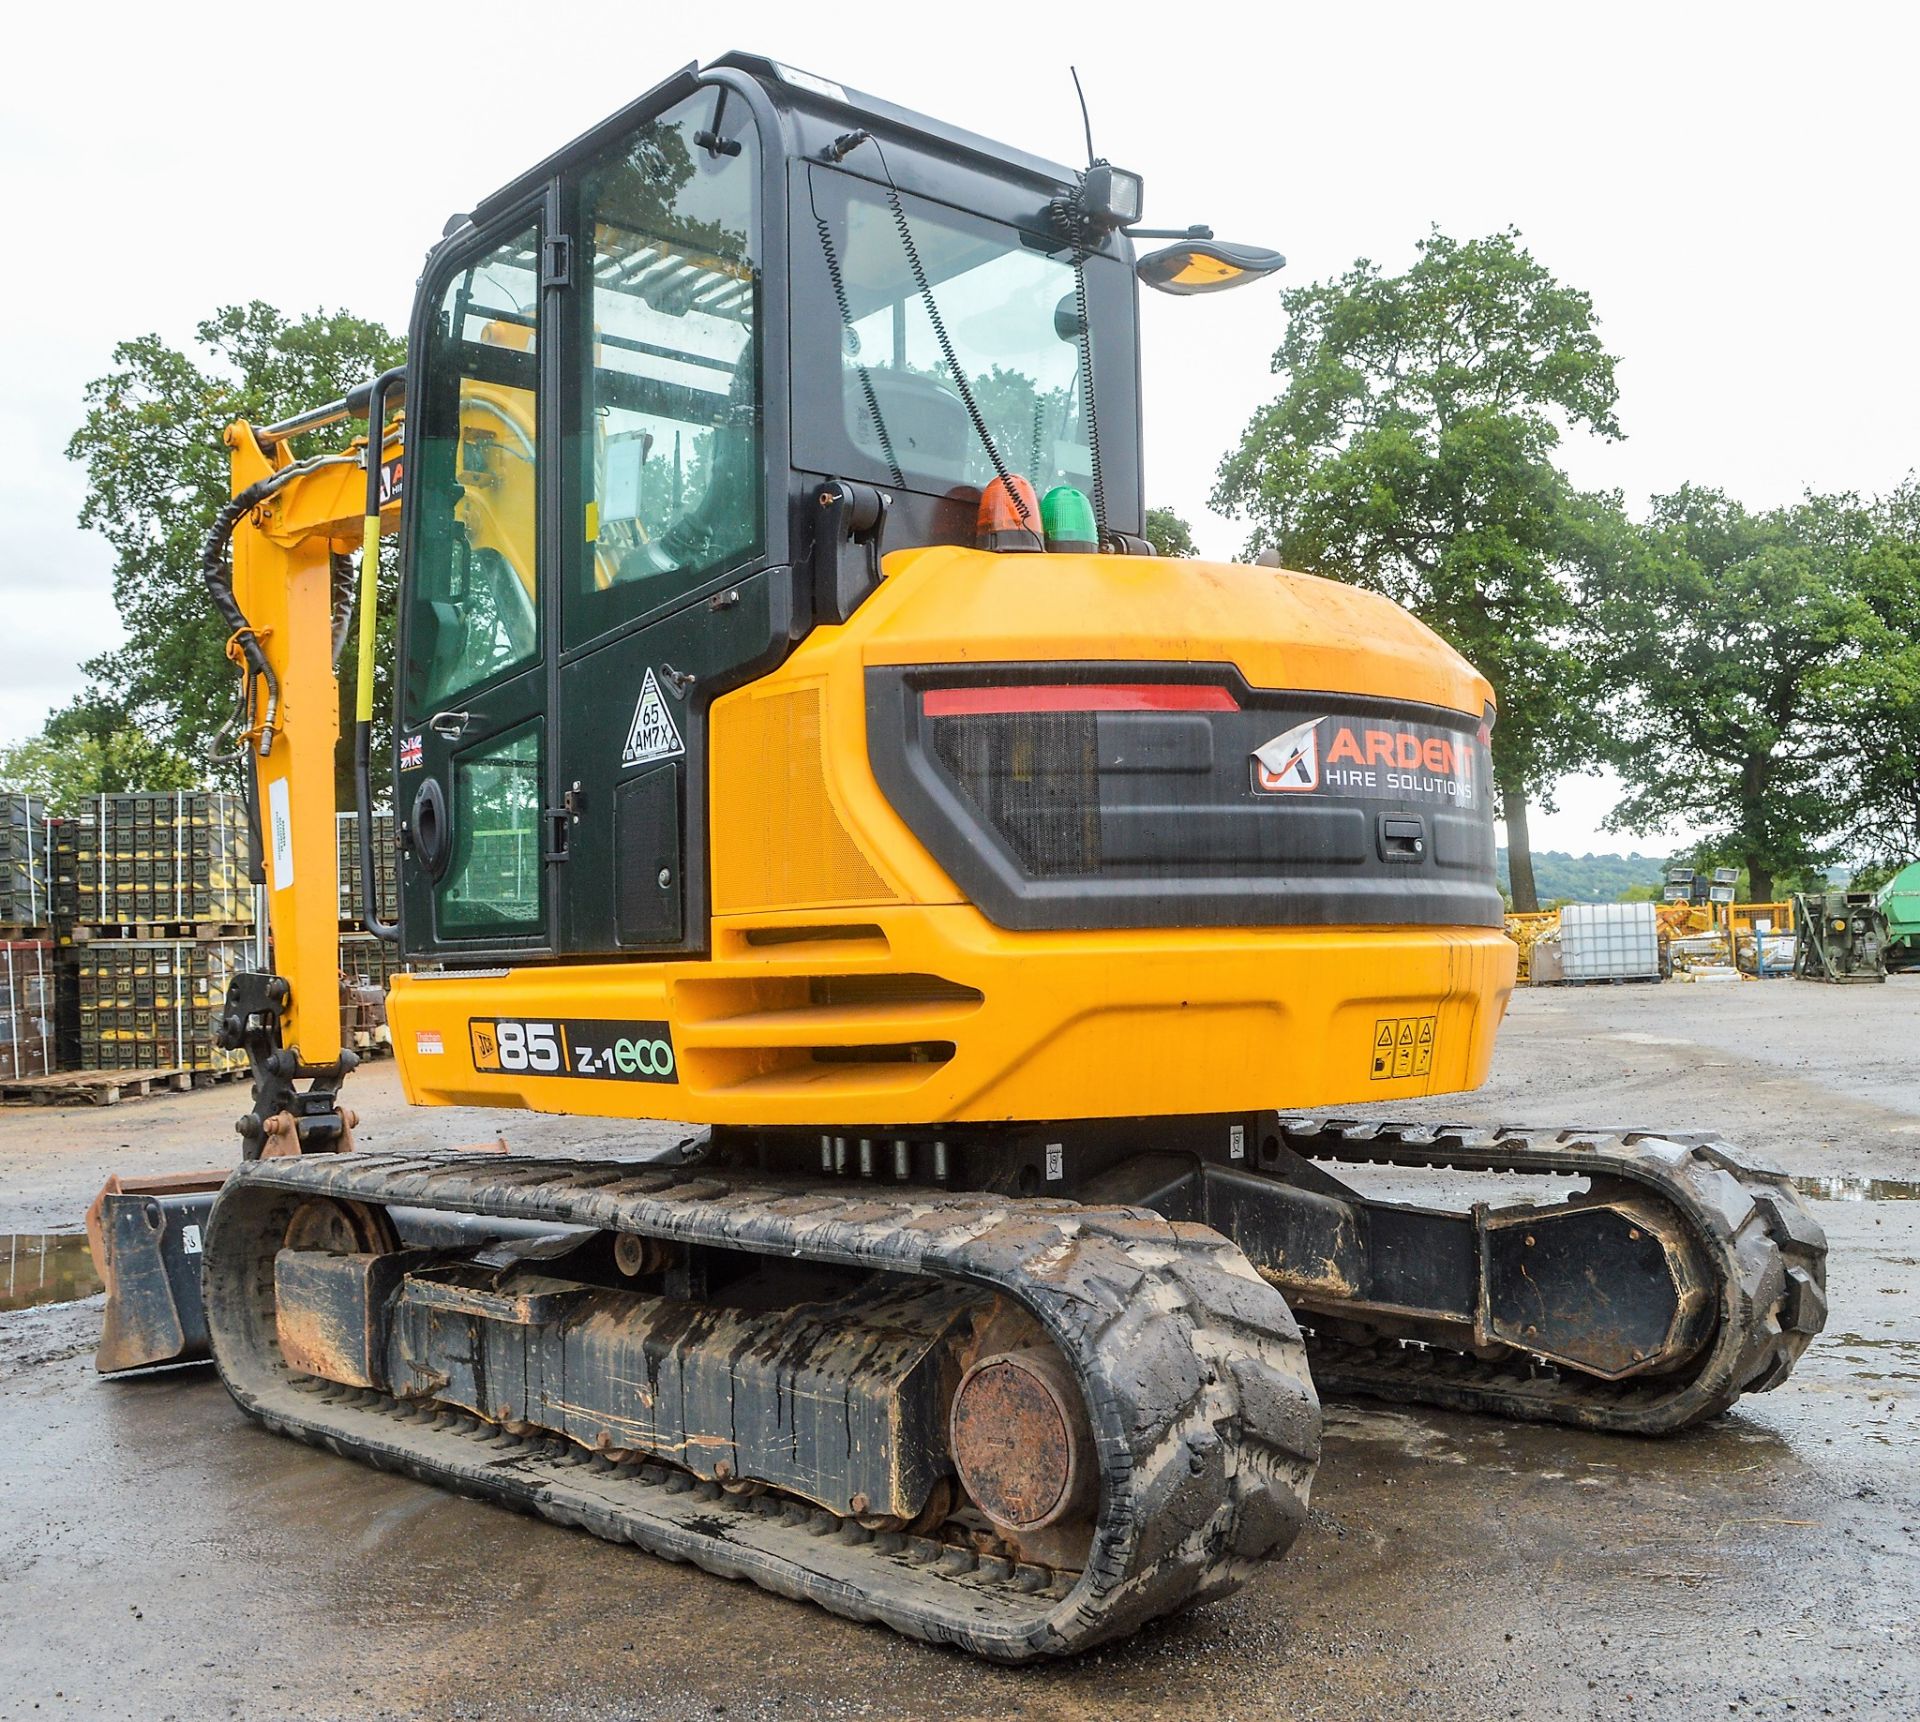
1733,185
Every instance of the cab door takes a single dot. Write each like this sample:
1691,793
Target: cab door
475,739
669,597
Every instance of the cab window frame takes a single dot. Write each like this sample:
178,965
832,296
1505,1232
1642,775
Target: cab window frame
743,112
534,214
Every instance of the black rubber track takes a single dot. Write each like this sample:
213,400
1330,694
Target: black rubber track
1767,1252
1205,1419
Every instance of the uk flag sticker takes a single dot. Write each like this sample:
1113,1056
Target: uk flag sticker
412,754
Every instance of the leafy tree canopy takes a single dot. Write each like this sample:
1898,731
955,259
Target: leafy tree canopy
1872,693
92,746
1731,633
157,474
1411,450
1169,534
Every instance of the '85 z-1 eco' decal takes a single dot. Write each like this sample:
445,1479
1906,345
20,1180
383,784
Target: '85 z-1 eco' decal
572,1046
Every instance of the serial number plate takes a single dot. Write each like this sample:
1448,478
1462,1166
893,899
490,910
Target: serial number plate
573,1046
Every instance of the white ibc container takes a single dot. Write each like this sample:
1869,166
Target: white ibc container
1609,941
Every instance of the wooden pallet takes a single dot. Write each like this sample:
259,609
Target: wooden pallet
106,1087
19,932
177,931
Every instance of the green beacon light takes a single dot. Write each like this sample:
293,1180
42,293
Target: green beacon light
1066,517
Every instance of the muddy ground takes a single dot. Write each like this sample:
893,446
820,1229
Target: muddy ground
162,1557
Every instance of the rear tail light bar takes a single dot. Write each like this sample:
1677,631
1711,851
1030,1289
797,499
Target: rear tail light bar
1079,697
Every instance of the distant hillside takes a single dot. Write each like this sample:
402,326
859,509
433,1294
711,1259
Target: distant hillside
1587,878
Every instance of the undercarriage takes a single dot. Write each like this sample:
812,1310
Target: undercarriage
1015,1390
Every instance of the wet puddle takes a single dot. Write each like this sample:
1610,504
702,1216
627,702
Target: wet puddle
1841,1189
45,1267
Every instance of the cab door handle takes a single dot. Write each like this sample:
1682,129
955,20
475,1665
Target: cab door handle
449,724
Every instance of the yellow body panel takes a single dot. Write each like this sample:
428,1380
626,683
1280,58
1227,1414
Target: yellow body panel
851,985
1066,1025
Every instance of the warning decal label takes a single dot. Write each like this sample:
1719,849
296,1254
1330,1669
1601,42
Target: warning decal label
652,735
1403,1046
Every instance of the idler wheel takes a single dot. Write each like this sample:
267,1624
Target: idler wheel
340,1228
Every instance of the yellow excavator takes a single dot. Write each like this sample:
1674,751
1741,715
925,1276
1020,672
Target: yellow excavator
797,737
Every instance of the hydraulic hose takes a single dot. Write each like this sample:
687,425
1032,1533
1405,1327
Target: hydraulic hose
363,688
217,571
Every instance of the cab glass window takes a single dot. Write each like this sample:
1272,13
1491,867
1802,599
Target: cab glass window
473,482
671,441
492,885
1010,304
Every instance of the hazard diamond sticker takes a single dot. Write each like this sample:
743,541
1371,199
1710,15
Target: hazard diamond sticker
652,735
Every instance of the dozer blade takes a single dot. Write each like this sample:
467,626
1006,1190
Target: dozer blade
146,1236
1020,1427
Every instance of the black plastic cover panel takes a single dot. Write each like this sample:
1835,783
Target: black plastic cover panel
1156,795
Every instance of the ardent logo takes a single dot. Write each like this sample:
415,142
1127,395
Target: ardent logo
1290,763
1353,757
1399,749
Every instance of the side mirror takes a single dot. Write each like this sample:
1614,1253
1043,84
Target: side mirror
1205,266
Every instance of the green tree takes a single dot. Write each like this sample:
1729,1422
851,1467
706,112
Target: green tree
1873,696
1411,451
1726,631
157,474
1169,534
92,746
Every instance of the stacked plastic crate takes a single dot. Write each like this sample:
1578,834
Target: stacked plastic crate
154,909
367,962
171,864
385,868
27,978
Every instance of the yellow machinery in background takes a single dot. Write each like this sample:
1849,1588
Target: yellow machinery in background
1524,928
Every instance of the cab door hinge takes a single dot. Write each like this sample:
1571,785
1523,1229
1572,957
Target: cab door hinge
556,260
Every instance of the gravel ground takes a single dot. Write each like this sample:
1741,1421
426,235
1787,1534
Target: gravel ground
167,1559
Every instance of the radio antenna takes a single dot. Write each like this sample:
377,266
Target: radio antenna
1084,120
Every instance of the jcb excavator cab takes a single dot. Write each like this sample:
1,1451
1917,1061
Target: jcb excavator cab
673,394
796,739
